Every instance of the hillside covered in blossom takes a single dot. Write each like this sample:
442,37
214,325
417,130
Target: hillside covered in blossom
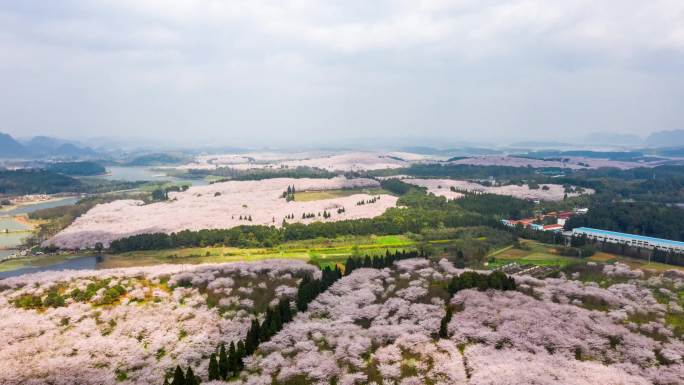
131,325
221,206
385,321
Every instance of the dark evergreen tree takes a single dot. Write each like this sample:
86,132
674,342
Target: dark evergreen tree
443,325
190,378
214,372
223,362
252,338
178,376
232,358
240,354
285,310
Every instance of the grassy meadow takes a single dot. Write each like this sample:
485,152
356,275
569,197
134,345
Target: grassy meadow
308,196
535,253
321,251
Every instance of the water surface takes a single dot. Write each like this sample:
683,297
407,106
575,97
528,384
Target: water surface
25,209
12,224
76,263
12,240
137,174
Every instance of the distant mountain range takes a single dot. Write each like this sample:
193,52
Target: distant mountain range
10,148
666,139
42,146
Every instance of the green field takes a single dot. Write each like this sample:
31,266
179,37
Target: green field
534,253
307,196
633,262
321,251
529,253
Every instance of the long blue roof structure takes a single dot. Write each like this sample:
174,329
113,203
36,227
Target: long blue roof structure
632,236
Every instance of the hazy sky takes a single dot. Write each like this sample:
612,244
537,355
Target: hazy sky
236,72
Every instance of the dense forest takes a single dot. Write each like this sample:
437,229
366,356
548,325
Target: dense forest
612,155
40,181
659,184
84,168
635,218
397,186
500,205
464,171
228,173
36,181
155,160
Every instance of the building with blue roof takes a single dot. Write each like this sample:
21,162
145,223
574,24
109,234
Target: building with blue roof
629,239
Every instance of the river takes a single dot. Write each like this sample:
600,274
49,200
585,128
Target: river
75,263
29,208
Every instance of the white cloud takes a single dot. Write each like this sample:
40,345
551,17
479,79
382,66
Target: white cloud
352,67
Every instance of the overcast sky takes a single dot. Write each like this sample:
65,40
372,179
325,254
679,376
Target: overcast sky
251,72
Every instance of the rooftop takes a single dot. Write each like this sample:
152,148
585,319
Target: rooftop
632,236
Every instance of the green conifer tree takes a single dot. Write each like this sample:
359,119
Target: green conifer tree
178,376
190,378
223,362
214,372
443,325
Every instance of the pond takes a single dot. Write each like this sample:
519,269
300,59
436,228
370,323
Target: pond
12,240
6,253
77,263
137,174
12,232
11,224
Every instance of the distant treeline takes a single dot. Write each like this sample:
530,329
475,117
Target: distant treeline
465,171
36,181
655,220
397,186
663,184
612,155
155,160
84,168
658,184
40,181
501,205
229,173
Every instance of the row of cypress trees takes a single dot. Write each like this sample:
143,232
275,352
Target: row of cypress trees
378,262
227,363
470,280
180,378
